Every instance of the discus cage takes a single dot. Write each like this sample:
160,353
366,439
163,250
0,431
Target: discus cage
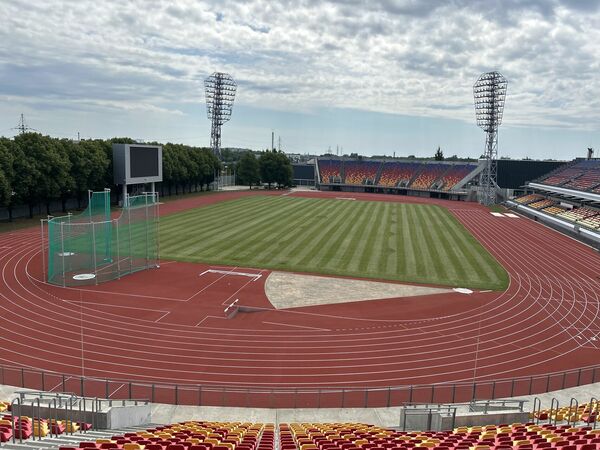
91,247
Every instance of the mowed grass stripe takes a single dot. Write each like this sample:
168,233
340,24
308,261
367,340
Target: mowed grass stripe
348,255
335,248
213,230
405,242
435,262
239,230
388,263
246,236
271,241
373,248
483,266
441,250
458,268
306,255
226,211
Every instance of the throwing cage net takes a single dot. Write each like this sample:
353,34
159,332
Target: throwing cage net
91,248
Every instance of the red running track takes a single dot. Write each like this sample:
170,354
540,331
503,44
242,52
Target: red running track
168,326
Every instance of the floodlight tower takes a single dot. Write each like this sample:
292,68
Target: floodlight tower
220,93
489,92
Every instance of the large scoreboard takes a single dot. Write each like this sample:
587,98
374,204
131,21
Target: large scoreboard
137,163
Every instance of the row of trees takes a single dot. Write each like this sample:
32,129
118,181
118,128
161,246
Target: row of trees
271,167
36,169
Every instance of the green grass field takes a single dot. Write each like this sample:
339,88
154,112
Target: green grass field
394,241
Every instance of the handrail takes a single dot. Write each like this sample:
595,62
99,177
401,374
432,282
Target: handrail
573,401
552,409
12,420
39,418
347,396
537,402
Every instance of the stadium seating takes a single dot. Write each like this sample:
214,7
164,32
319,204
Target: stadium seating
582,175
529,198
541,204
394,173
591,222
358,172
191,435
455,174
354,436
576,214
586,412
554,210
330,169
429,174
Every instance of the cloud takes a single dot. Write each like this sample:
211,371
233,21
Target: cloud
408,57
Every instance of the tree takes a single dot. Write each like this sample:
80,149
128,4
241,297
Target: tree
268,167
284,171
89,165
248,170
439,155
6,175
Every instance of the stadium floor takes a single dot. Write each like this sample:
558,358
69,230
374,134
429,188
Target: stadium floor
546,321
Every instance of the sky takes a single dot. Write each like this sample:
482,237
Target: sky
365,76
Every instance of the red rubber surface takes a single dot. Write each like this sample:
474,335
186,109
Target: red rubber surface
169,326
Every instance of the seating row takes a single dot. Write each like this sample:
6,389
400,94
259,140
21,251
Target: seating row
416,175
586,412
583,215
192,435
352,436
581,175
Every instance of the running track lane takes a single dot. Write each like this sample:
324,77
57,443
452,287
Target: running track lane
547,320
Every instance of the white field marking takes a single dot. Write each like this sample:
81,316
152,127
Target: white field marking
162,316
483,292
116,390
230,272
497,214
66,379
296,326
231,305
345,198
84,303
5,247
511,215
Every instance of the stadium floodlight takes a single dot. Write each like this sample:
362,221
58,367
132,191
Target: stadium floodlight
220,93
489,92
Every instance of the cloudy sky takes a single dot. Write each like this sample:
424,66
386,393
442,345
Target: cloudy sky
370,76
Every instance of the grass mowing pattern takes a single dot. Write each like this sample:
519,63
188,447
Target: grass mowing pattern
394,241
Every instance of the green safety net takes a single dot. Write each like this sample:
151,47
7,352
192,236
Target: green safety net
91,247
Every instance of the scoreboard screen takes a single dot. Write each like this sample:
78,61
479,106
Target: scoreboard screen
143,162
137,163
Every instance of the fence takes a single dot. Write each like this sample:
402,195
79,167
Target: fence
91,247
338,397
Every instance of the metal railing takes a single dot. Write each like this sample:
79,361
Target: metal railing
330,397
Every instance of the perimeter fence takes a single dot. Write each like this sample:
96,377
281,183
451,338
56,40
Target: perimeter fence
334,397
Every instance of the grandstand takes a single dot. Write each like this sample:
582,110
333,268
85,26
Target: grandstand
395,174
445,179
578,177
567,198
